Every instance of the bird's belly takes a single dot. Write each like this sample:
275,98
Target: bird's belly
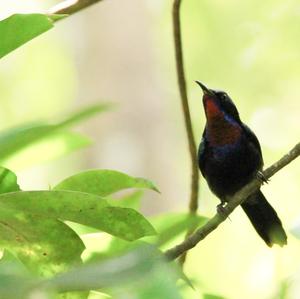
230,168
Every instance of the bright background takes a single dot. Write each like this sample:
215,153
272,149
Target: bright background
122,51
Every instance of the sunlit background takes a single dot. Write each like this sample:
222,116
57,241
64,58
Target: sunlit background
122,52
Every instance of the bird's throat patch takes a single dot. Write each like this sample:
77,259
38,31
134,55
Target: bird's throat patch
221,131
211,108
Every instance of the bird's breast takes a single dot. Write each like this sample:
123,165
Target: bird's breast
223,133
221,152
231,165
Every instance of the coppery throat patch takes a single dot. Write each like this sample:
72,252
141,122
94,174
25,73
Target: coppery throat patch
221,132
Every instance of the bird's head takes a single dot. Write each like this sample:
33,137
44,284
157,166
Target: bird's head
217,104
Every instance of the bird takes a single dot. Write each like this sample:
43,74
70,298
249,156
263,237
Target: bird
229,157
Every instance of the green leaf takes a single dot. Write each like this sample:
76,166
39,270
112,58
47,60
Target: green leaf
142,273
8,257
15,281
45,246
16,139
18,29
168,227
83,208
47,149
103,182
132,200
84,114
8,181
116,271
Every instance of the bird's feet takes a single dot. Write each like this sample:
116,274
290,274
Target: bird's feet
260,176
221,208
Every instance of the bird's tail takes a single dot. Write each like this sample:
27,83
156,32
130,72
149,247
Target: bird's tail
264,219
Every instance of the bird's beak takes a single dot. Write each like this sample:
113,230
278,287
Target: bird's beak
204,88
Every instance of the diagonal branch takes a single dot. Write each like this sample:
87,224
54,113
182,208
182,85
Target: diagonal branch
70,7
236,200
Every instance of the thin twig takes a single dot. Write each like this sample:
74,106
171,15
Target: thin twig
185,104
193,204
236,200
70,7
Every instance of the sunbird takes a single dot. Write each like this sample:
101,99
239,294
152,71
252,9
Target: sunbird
229,157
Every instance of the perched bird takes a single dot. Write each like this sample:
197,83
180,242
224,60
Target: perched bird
229,157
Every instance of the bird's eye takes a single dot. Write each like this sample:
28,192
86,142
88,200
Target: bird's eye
223,96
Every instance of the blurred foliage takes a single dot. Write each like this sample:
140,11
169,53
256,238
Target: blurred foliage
15,141
249,49
142,273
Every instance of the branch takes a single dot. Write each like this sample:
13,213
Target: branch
236,200
185,105
193,204
70,7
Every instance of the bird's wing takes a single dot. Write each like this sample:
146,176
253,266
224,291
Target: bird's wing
202,153
252,138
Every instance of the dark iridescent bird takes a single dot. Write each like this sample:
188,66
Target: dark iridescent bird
229,157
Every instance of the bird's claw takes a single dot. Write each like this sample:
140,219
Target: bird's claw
221,208
260,176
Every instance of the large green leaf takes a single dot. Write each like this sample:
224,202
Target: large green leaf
45,246
131,200
103,182
8,181
16,139
18,29
36,241
83,208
